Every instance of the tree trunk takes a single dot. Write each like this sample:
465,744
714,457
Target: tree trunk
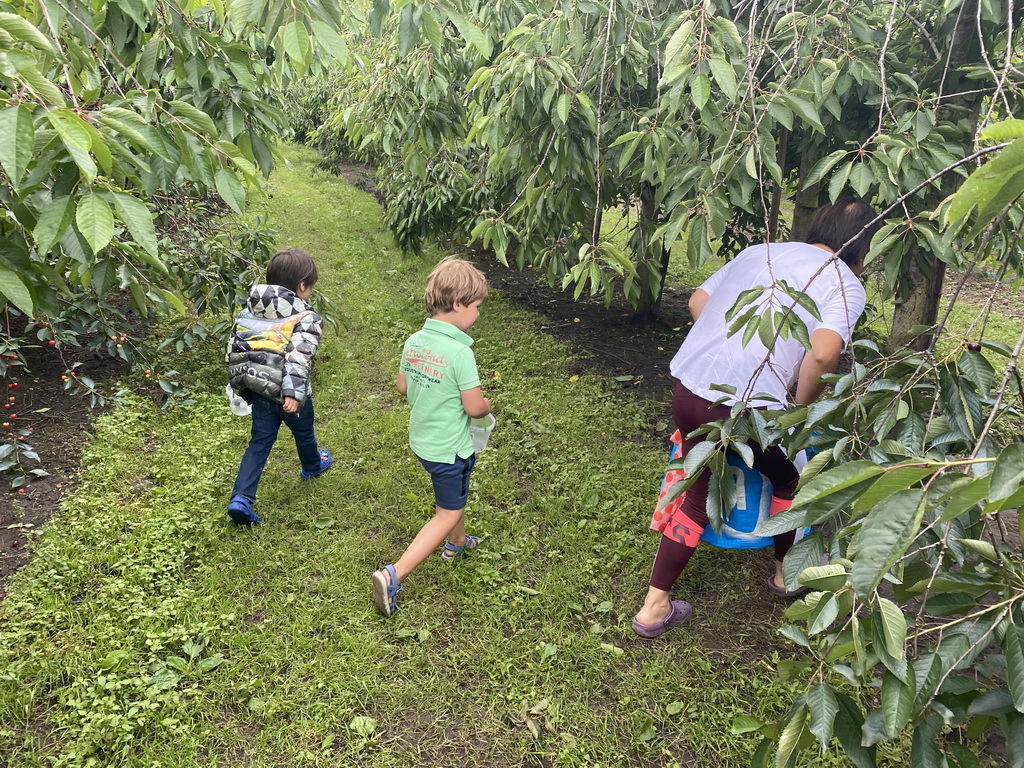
921,306
805,202
651,289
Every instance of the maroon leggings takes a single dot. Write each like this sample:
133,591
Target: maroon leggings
691,411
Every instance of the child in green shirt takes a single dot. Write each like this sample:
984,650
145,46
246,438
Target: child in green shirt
438,375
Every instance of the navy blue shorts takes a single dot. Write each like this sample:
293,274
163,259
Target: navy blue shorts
451,481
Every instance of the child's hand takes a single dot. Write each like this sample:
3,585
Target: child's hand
291,405
487,402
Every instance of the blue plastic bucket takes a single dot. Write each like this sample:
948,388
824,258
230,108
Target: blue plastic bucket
753,503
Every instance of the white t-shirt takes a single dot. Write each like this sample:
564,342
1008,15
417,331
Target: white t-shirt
710,356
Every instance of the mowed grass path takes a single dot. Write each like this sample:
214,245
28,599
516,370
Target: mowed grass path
149,631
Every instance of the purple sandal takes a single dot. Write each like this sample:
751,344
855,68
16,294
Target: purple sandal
679,612
783,592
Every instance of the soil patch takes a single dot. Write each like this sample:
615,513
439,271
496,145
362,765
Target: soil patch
60,422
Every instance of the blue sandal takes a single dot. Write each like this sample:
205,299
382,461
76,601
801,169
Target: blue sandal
325,463
385,589
451,551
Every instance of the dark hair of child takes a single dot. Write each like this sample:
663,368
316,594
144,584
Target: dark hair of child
290,268
835,224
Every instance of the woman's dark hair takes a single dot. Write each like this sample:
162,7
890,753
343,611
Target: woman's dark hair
290,268
847,219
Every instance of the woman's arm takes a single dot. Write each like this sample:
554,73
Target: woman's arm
697,301
822,358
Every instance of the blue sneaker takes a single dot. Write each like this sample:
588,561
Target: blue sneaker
240,511
325,463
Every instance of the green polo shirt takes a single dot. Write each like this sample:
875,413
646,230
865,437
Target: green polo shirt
439,365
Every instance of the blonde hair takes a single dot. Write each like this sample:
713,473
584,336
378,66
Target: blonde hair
454,281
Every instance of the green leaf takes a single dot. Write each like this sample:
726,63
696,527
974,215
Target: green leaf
209,664
431,30
471,33
924,749
76,139
1008,472
729,32
741,724
295,37
782,113
12,286
1013,731
724,75
697,455
893,480
898,700
700,89
861,178
1007,130
139,220
647,730
198,119
174,301
329,40
848,724
837,185
835,480
408,28
42,85
95,221
978,370
20,29
823,614
363,726
562,107
240,13
231,190
966,497
806,553
789,739
981,548
1013,644
823,707
883,538
16,148
827,578
986,182
675,44
894,627
804,108
52,223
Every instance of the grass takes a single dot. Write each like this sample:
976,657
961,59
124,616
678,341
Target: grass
148,630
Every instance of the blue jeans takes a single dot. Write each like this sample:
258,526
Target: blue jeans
267,417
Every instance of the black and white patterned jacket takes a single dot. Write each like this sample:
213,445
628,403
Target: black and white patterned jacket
272,345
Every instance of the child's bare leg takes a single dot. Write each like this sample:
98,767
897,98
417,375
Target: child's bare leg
457,535
437,529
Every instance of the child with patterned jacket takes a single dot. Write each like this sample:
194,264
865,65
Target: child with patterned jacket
439,377
268,358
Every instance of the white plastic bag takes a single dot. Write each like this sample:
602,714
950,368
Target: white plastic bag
238,406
